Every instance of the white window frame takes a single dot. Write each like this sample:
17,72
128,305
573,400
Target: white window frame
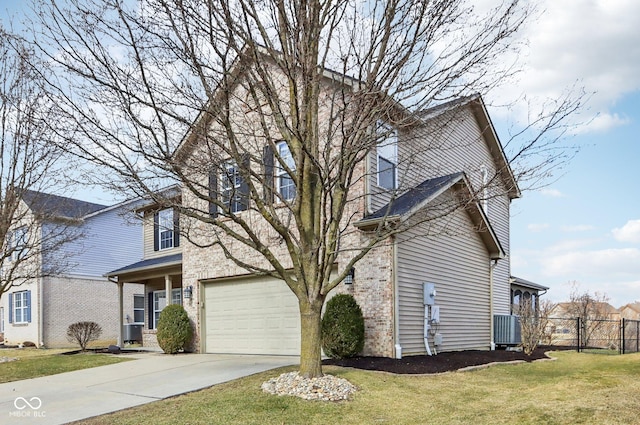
387,153
484,174
166,237
176,298
138,309
20,298
1,319
230,187
285,184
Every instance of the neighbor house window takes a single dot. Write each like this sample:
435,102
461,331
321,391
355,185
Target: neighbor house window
138,308
19,243
20,307
387,151
232,188
285,184
160,302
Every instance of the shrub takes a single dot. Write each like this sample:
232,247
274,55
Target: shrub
342,327
174,329
82,333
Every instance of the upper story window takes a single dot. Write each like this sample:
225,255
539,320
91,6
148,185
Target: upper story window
285,184
484,175
165,232
387,153
233,189
19,243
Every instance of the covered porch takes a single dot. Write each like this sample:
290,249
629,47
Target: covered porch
162,280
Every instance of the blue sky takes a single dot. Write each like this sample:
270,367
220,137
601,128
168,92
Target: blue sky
584,227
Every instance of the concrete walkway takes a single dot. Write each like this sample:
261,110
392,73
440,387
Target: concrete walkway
81,394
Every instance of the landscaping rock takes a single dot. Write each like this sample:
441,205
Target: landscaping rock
327,387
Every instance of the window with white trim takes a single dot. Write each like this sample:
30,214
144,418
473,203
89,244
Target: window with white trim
160,302
138,308
21,307
1,319
387,156
484,174
165,228
286,185
231,188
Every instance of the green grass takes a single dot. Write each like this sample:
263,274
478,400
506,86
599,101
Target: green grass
33,363
575,389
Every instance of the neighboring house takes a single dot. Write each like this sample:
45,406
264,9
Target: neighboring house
601,311
41,309
630,311
462,268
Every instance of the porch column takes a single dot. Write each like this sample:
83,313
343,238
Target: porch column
120,312
167,288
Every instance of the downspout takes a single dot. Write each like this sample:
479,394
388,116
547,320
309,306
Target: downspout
397,348
41,312
492,265
120,342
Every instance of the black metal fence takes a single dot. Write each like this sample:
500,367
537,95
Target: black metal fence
595,336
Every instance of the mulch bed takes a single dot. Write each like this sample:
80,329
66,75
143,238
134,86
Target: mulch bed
443,362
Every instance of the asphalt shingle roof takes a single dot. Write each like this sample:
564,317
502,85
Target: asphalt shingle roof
149,263
59,206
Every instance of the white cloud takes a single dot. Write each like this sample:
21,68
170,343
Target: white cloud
537,227
595,264
630,232
577,228
554,193
590,43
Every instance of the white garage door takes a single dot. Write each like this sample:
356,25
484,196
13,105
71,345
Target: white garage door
254,316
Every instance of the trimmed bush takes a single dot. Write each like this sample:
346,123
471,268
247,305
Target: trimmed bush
342,327
82,333
174,329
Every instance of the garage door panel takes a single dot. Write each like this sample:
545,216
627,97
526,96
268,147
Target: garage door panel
256,316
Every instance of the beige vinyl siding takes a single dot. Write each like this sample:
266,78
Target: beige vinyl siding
448,144
458,265
148,240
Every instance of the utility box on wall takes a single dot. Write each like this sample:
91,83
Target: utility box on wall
429,291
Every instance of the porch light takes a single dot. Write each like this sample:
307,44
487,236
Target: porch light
188,292
348,279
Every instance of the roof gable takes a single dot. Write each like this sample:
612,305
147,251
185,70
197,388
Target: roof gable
414,200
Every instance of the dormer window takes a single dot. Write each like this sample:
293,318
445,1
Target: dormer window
387,151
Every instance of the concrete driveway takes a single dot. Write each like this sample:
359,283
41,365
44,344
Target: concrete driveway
81,394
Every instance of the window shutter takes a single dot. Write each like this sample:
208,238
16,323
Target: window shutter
28,306
156,241
176,228
267,160
150,304
244,185
213,191
10,307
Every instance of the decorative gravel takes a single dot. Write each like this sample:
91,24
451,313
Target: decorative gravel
326,388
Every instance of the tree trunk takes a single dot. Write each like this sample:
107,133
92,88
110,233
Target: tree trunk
311,339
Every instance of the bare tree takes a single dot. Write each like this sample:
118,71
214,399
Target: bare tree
32,229
267,90
534,322
593,310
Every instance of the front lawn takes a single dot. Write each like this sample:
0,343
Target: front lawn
575,389
33,362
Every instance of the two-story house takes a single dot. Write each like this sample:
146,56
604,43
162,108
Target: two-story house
437,285
40,309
